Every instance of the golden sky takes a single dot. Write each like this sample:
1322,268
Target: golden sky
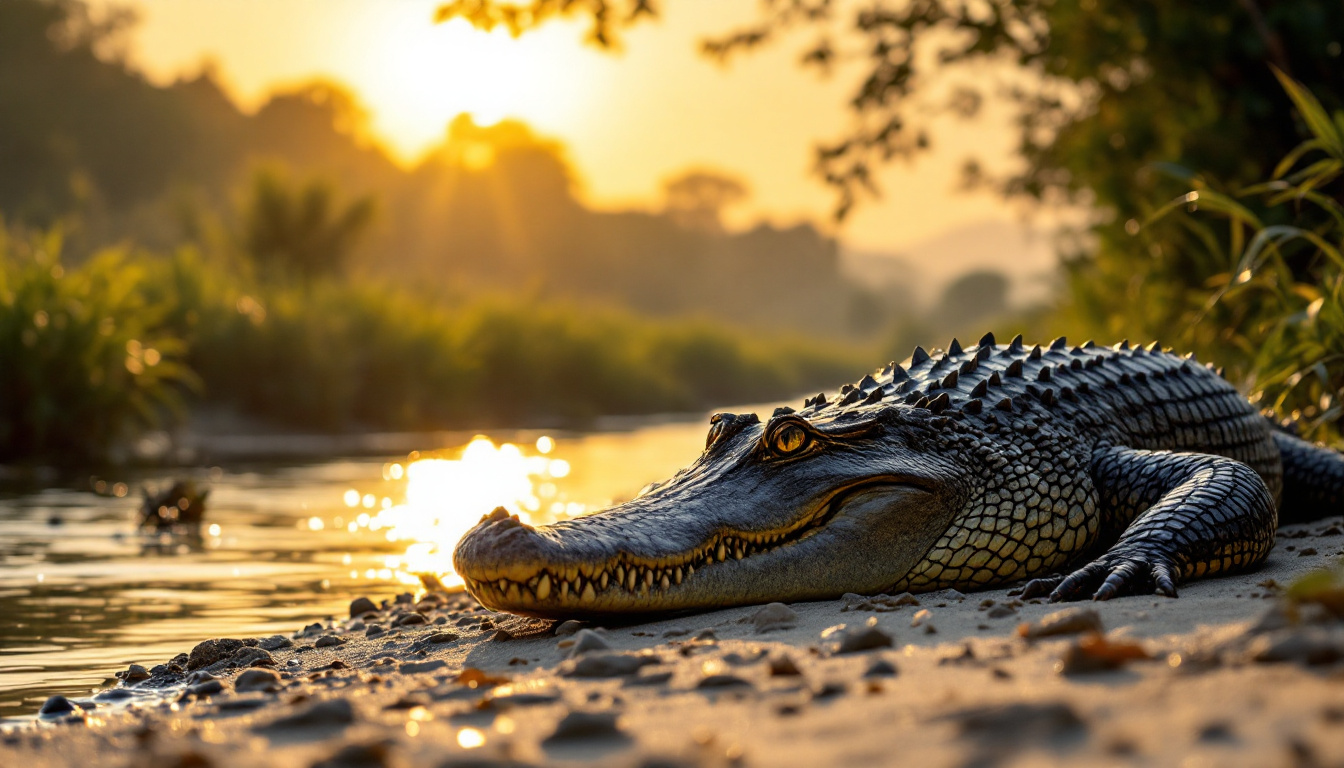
629,120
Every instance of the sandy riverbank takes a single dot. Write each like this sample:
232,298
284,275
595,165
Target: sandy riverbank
947,681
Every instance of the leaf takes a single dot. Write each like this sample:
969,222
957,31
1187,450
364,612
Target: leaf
1315,116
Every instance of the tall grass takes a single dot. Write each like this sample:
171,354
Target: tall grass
86,359
1283,290
91,355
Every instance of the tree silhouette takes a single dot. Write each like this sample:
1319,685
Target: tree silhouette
696,199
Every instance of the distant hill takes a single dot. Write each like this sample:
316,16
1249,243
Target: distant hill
88,143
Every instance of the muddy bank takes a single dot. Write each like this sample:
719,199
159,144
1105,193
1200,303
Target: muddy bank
1224,675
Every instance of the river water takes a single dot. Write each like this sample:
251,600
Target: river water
84,593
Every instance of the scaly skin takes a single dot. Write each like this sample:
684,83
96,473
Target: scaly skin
1093,472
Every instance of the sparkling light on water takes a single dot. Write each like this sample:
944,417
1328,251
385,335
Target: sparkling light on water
445,498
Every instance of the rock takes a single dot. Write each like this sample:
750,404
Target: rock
607,665
568,628
829,690
1070,621
134,674
501,635
410,620
373,630
774,616
880,668
362,605
783,666
330,713
586,640
57,705
275,643
439,638
863,639
1004,729
1303,645
583,726
877,603
651,678
257,680
1001,611
251,657
206,688
722,681
373,754
327,641
1094,653
420,667
211,651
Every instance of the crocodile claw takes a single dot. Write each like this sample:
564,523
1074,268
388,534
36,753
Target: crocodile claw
1112,575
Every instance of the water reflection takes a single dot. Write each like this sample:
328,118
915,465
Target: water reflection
445,497
84,592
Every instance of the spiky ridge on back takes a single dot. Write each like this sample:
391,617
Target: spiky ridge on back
991,376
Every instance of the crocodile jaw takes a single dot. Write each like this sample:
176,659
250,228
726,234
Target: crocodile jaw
645,557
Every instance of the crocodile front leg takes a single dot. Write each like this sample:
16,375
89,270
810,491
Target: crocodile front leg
1178,516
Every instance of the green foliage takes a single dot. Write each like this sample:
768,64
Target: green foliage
297,231
87,360
342,356
1275,304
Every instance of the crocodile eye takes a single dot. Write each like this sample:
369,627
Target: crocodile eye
788,439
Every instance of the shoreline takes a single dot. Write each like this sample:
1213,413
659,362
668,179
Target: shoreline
1227,678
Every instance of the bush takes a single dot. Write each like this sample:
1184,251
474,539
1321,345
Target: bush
85,359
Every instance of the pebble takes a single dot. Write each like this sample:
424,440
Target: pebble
257,680
373,630
586,640
599,665
439,638
1095,653
583,726
566,628
722,681
1303,645
362,605
1070,621
650,678
327,641
419,667
774,616
332,712
410,620
206,688
863,639
211,651
57,705
880,668
251,657
877,603
1001,611
275,643
373,754
134,674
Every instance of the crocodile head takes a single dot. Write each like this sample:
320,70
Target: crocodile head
795,508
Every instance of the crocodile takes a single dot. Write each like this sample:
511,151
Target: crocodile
1083,471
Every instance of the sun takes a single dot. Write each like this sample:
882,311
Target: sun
416,76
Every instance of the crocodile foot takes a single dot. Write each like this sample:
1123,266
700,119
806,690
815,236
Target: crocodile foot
1114,574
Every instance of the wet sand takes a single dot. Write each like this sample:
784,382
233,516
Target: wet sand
1224,675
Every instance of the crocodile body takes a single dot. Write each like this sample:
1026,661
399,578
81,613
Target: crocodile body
1089,471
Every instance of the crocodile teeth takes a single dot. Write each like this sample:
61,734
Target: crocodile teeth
665,582
588,593
604,580
564,589
630,580
620,574
544,587
648,578
721,553
740,553
512,592
677,575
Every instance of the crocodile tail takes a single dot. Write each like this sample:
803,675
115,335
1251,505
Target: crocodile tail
1313,479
